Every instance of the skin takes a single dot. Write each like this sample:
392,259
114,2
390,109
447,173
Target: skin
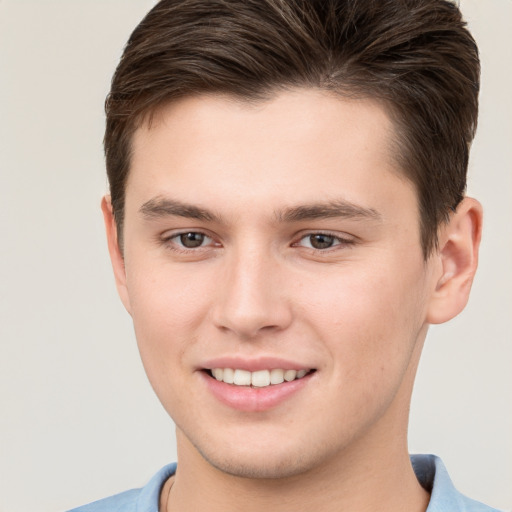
357,312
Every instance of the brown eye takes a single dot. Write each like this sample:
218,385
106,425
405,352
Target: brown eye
321,241
191,240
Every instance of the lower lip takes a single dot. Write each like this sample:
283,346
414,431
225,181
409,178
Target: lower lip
253,399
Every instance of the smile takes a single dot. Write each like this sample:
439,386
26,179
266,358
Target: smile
258,379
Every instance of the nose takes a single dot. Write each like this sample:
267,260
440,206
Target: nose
252,298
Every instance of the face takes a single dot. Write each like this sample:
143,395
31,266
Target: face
274,273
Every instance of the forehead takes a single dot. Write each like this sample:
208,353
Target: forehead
297,146
293,115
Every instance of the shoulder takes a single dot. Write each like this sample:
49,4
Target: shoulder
123,502
144,499
433,476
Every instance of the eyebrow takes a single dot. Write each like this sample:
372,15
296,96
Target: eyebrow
158,207
331,209
163,207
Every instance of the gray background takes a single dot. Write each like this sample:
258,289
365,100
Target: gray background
78,419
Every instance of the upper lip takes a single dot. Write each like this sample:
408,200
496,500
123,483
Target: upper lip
254,364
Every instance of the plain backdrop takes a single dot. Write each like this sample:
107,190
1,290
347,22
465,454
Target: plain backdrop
78,420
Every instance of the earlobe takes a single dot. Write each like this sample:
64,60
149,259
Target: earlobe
459,242
116,256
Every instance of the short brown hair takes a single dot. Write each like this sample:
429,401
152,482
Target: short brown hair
414,55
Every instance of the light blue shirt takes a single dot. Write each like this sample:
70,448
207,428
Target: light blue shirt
429,469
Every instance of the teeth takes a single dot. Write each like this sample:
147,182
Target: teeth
290,375
218,373
242,378
276,376
258,379
229,376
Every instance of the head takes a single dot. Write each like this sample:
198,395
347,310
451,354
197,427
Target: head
287,183
413,56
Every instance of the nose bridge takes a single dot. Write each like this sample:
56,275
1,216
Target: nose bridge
251,297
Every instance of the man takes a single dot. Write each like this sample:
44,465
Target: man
286,218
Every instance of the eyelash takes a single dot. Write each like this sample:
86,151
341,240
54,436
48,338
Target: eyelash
170,242
339,242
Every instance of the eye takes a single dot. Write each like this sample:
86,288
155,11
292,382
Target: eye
191,240
322,241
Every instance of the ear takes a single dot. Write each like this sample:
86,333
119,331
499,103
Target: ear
459,241
116,255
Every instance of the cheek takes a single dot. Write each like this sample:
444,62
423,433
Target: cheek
167,308
166,298
164,318
371,318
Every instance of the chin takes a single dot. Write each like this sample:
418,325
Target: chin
254,468
261,462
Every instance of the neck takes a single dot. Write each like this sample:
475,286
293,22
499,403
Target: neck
381,481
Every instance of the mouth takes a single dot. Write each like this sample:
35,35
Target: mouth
257,379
